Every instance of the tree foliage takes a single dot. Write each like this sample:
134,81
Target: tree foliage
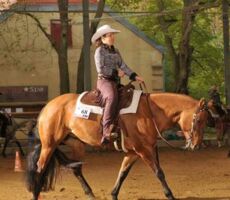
204,42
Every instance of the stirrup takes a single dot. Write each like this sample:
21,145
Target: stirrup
113,136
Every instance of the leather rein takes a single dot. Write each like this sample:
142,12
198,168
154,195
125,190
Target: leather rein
194,121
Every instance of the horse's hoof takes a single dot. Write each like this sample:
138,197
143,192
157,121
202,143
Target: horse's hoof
91,197
219,144
114,197
171,198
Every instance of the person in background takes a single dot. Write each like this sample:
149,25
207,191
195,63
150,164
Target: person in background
110,68
215,95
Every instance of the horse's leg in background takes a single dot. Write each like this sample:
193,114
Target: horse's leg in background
7,140
219,126
226,134
20,147
78,151
4,147
152,159
126,165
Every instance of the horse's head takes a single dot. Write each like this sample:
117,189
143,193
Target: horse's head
198,123
200,118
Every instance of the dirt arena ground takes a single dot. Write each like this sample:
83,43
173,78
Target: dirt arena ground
201,175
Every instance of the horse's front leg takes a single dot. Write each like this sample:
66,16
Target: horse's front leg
126,165
152,159
188,139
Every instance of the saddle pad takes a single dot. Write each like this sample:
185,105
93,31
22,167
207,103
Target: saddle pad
83,110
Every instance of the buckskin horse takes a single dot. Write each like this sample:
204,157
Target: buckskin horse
155,113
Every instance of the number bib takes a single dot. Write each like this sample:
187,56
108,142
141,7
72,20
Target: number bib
82,112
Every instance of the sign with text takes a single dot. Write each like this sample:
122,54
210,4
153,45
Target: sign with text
23,93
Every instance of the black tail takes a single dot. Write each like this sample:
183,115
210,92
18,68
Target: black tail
45,181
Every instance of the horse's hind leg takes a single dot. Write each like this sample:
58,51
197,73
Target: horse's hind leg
49,143
160,175
152,159
46,153
32,178
45,164
78,151
87,189
43,169
126,165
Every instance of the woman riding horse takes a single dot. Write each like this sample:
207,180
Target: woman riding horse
110,66
155,113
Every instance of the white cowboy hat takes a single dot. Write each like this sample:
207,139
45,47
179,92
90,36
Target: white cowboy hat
102,31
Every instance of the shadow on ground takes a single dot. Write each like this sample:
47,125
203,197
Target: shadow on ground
194,198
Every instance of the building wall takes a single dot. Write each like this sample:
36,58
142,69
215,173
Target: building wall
26,57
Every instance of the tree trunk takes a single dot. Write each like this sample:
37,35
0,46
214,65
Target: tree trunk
185,49
225,10
63,48
169,43
80,73
182,58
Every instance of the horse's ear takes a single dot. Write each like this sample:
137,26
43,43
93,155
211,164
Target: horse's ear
202,102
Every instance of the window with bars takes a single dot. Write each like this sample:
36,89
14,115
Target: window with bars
157,78
55,26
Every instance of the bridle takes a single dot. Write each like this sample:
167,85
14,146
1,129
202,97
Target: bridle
196,119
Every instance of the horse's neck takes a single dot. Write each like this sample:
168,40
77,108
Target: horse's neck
168,109
161,117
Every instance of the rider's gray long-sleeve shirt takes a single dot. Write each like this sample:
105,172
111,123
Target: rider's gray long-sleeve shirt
108,60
